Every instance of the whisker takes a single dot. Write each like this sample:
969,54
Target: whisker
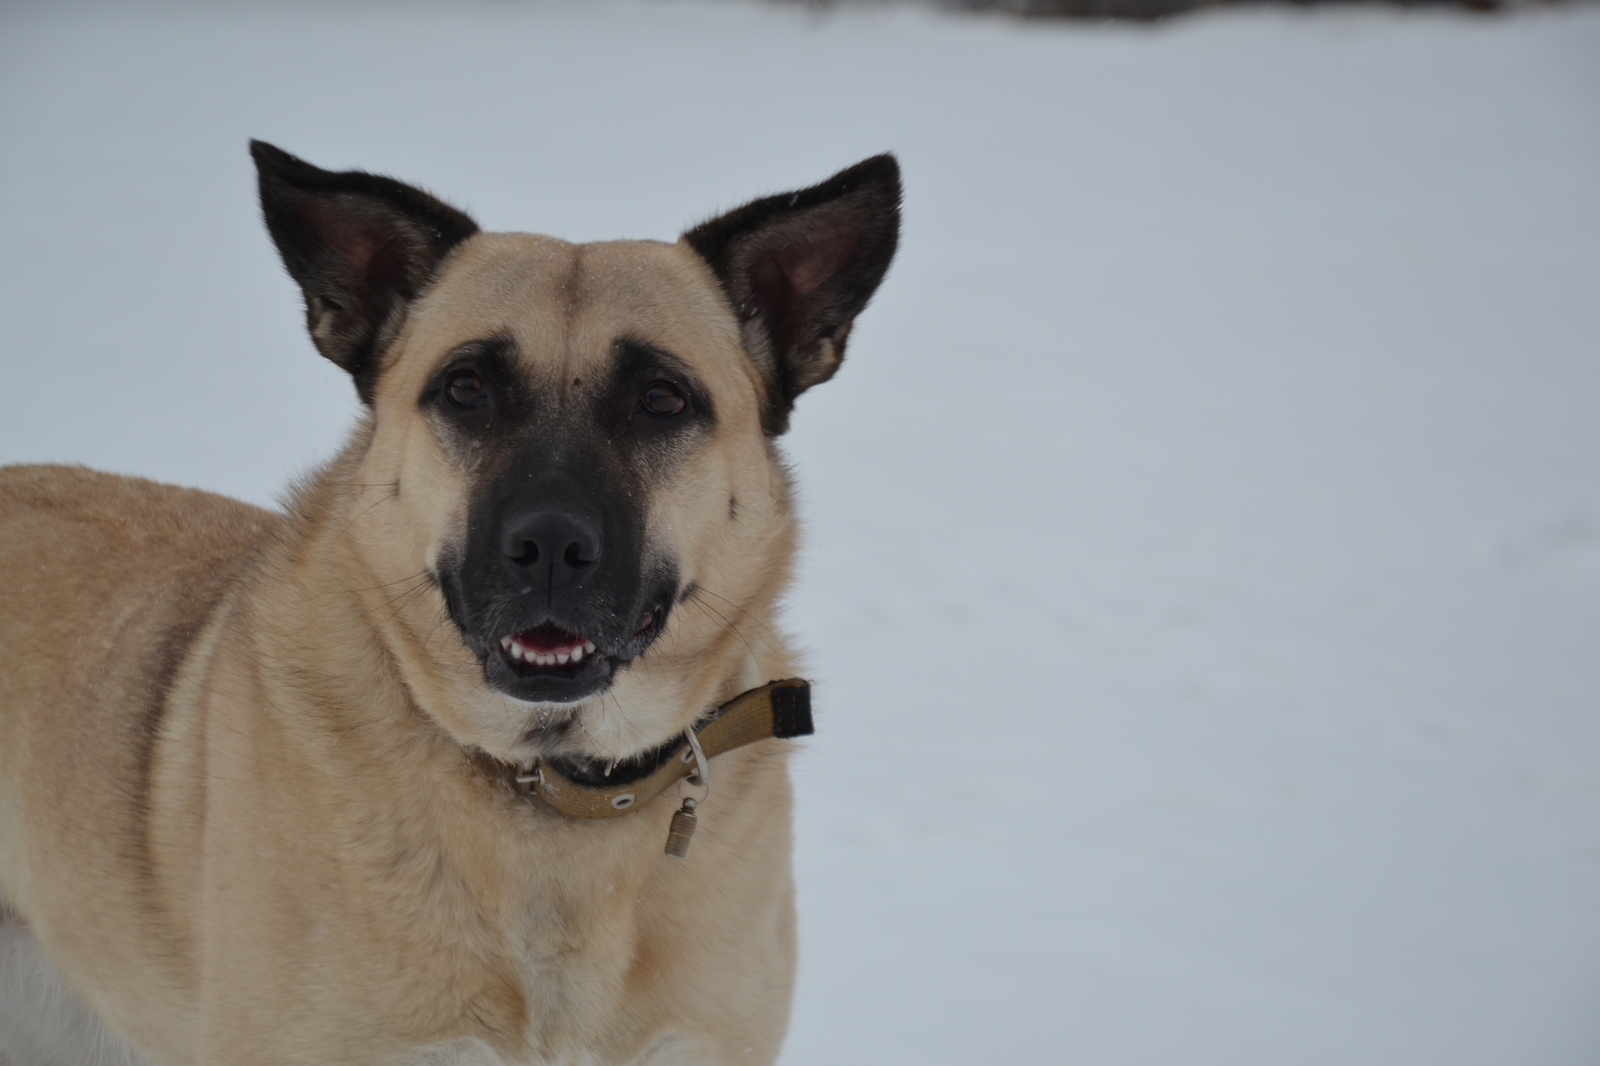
386,584
753,617
405,601
364,510
404,594
754,658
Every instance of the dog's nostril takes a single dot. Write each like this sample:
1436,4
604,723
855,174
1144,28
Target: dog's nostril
561,546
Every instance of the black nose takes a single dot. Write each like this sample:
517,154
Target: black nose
557,546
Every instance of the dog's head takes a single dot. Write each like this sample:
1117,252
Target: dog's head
565,504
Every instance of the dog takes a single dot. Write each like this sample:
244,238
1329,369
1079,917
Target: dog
407,773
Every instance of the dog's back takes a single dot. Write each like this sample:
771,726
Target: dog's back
99,570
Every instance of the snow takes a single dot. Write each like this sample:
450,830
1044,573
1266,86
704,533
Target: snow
1203,537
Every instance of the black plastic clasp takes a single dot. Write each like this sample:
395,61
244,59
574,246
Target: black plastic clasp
791,711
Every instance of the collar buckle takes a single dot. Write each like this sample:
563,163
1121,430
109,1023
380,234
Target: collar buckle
527,778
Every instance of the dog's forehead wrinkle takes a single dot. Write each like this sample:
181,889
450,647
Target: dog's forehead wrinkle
569,291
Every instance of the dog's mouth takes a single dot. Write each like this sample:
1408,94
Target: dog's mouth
547,662
545,647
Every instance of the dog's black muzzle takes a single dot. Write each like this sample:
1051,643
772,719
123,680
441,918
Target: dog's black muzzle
552,590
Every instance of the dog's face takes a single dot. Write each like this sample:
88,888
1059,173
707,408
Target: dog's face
566,505
576,439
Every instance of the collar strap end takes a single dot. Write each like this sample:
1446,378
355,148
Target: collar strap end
791,710
778,709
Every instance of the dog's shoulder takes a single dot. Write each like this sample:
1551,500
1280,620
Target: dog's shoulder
108,581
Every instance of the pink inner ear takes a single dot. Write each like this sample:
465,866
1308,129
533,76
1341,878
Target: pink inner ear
809,263
354,238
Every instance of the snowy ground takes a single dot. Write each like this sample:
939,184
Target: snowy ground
1203,572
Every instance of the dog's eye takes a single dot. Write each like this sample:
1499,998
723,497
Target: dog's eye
466,390
662,400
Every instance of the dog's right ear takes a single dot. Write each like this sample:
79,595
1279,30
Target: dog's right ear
360,246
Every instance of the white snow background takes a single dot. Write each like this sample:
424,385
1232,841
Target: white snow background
1202,570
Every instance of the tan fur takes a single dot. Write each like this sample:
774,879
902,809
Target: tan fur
248,802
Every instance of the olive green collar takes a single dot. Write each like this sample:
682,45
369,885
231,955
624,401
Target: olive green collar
776,709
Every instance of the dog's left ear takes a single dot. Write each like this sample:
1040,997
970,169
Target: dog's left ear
799,267
361,247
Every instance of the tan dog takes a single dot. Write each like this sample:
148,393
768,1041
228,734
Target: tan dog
257,796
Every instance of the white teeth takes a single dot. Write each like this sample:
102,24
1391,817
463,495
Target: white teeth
519,651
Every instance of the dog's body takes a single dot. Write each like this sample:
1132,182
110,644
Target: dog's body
255,796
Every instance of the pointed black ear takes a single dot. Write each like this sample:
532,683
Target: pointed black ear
799,267
361,248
